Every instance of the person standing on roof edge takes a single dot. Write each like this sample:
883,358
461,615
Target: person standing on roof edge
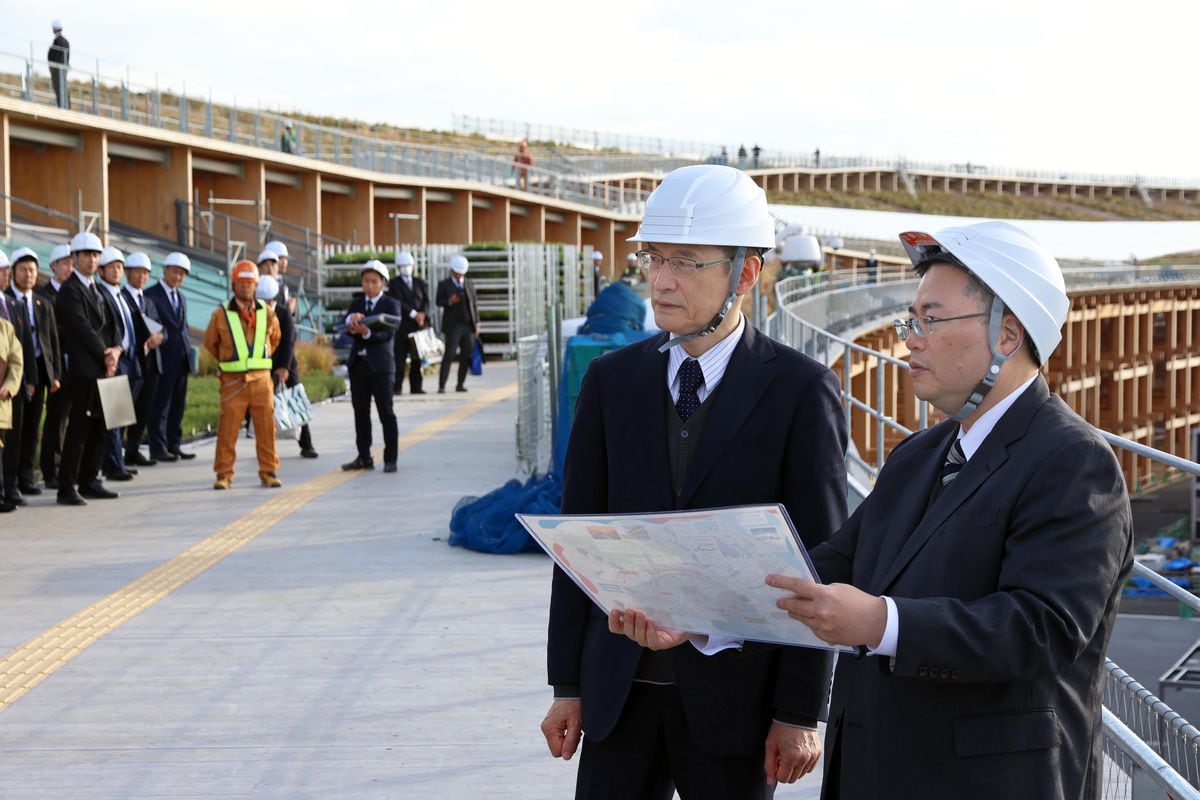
712,413
983,571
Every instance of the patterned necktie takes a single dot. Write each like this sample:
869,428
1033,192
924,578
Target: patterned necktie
954,462
690,379
370,305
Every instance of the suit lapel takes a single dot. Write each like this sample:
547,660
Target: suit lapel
747,376
650,407
992,454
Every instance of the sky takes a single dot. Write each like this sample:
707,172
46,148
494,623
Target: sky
1097,87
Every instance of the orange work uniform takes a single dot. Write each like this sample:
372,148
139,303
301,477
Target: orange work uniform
251,389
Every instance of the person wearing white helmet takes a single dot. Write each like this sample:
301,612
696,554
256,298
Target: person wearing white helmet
59,58
413,294
149,331
12,388
985,567
632,273
288,142
872,266
597,261
133,342
91,342
372,367
165,424
460,321
43,374
62,264
711,414
271,262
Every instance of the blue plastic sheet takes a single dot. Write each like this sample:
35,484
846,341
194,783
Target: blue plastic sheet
488,524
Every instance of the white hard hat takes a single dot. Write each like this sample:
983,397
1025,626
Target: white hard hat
137,261
631,258
404,259
178,260
377,266
459,264
278,247
111,254
267,255
268,288
3,262
1013,265
802,248
56,25
60,252
707,204
24,252
86,242
597,255
287,124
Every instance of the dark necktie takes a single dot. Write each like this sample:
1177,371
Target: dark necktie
954,462
690,379
141,303
370,305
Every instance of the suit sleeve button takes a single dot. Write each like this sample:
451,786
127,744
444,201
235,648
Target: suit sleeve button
945,673
923,672
954,674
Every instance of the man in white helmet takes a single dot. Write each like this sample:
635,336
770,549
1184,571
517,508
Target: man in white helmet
165,428
984,569
271,262
58,404
710,414
460,321
413,294
91,343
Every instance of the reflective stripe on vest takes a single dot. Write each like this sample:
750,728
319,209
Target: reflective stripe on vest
244,361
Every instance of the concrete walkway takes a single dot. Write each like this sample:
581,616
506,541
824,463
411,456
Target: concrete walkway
320,641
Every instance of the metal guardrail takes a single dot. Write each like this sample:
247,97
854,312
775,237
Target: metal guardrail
1144,739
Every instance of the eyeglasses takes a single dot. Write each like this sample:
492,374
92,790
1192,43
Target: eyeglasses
653,262
923,326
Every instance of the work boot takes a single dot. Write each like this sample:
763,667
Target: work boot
223,482
270,480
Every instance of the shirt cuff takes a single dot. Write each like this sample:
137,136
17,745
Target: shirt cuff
795,721
412,314
891,632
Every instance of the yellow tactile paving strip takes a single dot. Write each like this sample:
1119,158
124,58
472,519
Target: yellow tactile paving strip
42,656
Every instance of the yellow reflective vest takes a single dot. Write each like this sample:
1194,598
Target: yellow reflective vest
248,360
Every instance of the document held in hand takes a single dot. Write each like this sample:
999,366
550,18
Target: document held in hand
116,401
695,571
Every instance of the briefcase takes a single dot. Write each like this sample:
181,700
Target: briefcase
116,401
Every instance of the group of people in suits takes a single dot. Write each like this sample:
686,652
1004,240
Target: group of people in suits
79,327
977,583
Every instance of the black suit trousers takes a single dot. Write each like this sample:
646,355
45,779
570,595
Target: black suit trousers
54,429
166,409
83,446
143,396
366,386
32,417
459,340
406,349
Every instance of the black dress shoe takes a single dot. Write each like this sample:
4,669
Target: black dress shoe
417,391
14,496
308,452
30,489
391,467
359,463
70,497
460,388
139,460
6,507
168,457
182,454
96,491
441,390
51,482
119,476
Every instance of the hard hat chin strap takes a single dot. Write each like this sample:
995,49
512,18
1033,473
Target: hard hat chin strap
993,371
738,262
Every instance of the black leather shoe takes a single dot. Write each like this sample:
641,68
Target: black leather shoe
417,391
308,452
70,497
97,492
119,476
30,489
460,388
139,460
51,482
14,496
441,390
186,456
389,467
6,506
359,463
168,457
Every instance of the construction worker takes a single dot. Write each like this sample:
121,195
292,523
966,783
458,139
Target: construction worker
241,336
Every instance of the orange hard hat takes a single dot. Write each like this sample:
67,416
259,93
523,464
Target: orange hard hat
245,271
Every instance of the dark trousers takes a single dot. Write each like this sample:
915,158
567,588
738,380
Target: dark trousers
28,429
650,754
406,350
58,409
305,433
58,78
143,395
459,339
166,410
83,446
366,386
10,455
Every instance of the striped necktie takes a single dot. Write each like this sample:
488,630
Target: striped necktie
954,463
